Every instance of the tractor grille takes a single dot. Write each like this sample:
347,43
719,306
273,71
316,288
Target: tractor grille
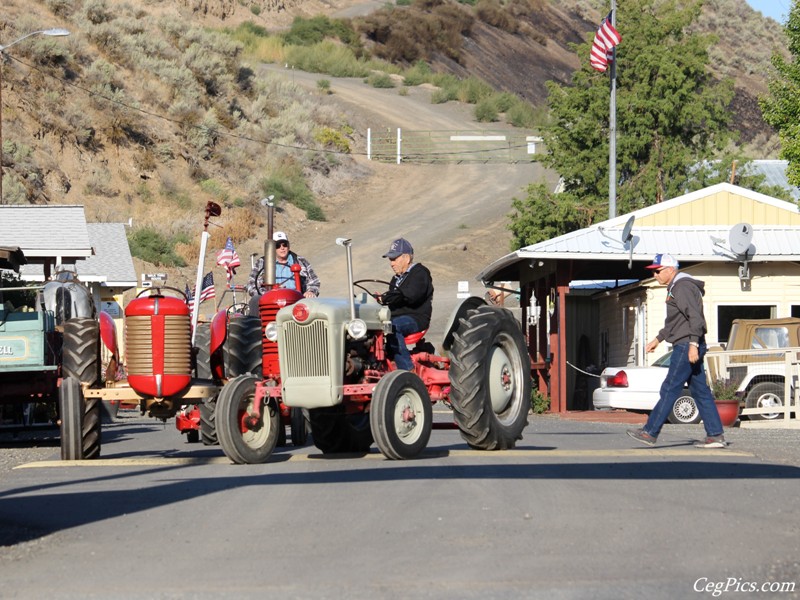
177,344
306,349
267,314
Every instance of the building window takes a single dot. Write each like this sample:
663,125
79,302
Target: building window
726,314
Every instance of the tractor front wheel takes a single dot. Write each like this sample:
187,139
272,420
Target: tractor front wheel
243,441
298,427
490,379
401,415
80,422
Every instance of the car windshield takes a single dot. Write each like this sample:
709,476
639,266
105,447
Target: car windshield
663,361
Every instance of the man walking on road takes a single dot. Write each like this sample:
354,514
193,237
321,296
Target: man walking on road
685,328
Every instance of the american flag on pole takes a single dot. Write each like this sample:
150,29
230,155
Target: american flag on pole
228,258
207,290
605,40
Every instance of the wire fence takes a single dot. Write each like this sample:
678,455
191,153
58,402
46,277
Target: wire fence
454,147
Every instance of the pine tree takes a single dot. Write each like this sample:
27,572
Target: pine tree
672,115
782,108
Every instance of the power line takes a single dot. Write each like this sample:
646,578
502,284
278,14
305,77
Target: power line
236,136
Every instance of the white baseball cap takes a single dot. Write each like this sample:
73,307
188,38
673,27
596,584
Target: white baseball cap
279,236
662,261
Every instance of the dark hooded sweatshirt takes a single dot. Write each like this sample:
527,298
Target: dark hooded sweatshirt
685,321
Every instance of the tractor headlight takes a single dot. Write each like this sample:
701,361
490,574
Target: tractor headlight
357,329
271,331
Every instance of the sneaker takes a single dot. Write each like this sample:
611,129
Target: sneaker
712,441
642,436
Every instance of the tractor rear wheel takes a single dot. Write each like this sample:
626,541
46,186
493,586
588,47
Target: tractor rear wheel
80,422
243,346
298,427
490,379
243,442
208,422
334,432
401,415
202,342
80,354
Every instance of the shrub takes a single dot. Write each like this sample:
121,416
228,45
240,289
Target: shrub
150,245
486,111
324,86
420,73
472,90
522,114
332,138
380,80
288,184
539,402
215,189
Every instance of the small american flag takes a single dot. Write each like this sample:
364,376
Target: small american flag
605,40
207,290
228,258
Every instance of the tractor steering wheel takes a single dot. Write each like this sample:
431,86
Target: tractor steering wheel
375,295
240,308
261,288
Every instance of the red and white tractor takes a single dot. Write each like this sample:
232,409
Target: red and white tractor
334,366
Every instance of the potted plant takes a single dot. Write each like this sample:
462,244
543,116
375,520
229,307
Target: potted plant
726,398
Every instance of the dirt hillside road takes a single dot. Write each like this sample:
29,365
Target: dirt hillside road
455,216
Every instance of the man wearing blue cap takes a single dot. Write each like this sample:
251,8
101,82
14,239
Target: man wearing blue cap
410,298
685,328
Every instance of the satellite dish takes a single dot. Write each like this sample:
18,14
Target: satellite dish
740,237
626,231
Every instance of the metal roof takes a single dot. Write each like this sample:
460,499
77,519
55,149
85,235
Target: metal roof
111,264
112,259
774,172
604,254
46,231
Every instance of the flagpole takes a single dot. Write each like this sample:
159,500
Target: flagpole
612,128
212,210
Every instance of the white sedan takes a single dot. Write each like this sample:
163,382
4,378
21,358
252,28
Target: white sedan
637,389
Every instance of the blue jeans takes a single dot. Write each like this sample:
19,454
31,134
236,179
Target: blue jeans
681,371
402,326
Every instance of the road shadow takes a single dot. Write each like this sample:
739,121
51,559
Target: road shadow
35,511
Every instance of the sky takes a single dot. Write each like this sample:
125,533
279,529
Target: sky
777,9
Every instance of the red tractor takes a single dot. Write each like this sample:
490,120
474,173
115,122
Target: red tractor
334,366
247,352
164,371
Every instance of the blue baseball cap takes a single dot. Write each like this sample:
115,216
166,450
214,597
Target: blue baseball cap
662,261
398,247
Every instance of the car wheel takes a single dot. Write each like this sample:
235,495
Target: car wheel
684,411
765,395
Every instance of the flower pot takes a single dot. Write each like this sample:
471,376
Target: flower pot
728,411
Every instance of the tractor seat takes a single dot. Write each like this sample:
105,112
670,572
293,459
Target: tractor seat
412,339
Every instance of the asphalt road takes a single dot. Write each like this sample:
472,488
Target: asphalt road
577,510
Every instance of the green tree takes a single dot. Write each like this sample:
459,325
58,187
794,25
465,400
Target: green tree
671,116
781,108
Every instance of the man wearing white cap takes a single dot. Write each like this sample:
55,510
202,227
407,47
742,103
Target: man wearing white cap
685,328
284,259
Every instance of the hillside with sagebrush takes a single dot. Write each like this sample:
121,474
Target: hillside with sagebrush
151,108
